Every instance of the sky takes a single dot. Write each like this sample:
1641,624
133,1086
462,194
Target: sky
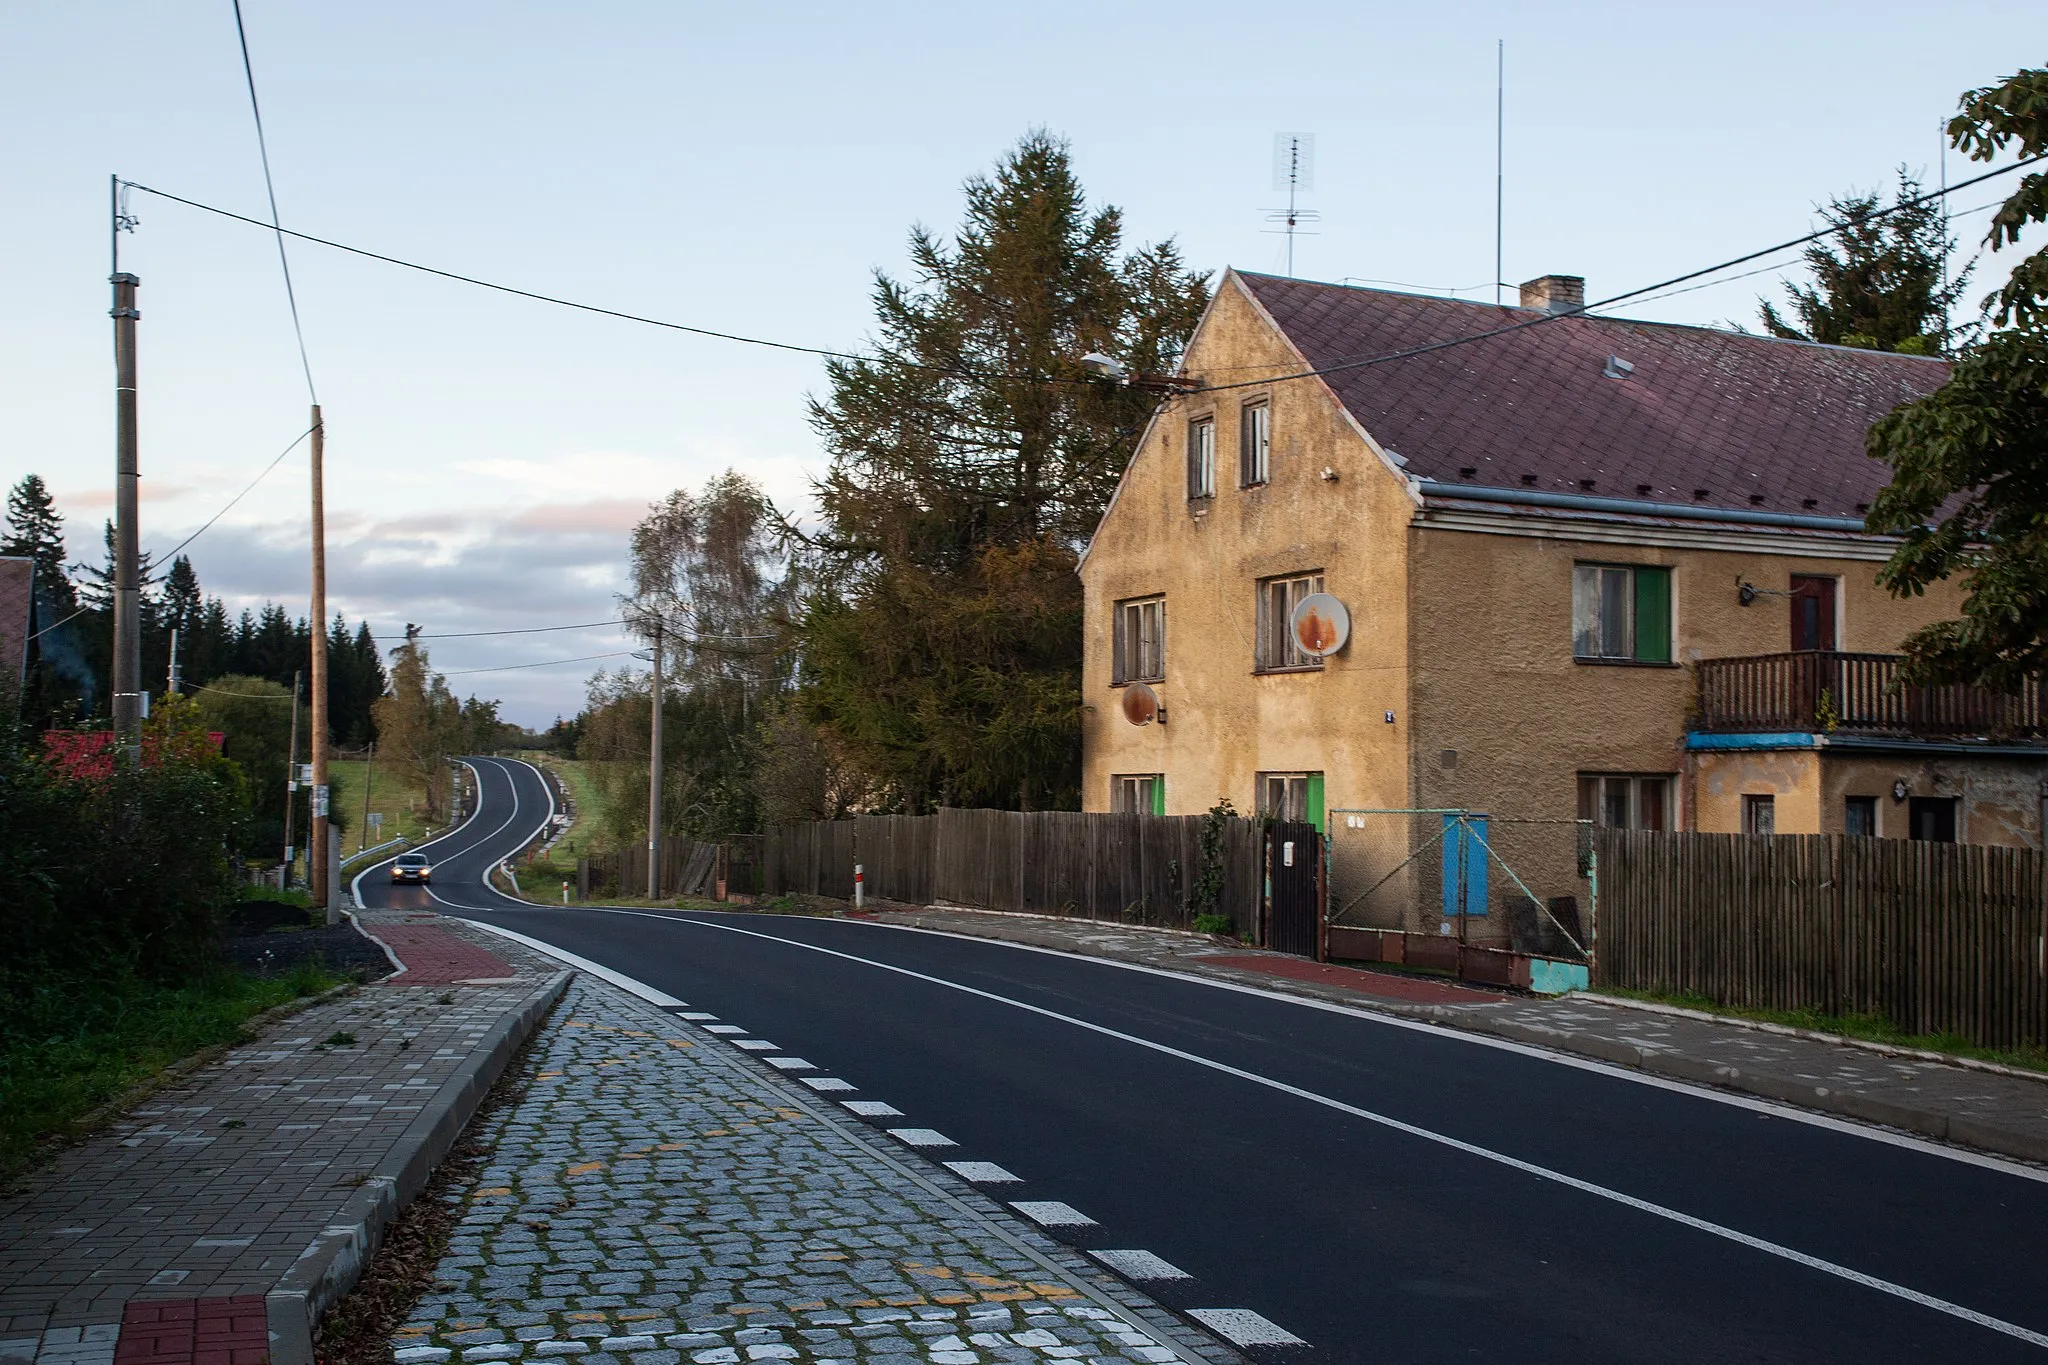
748,168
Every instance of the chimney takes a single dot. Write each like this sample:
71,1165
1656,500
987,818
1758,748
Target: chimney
1555,293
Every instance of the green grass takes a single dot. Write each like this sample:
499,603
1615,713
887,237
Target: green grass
1869,1028
403,804
75,1046
589,805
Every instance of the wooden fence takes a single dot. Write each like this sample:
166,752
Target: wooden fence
1936,938
688,868
1128,868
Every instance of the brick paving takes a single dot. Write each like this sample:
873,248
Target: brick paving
207,1191
432,955
659,1195
1988,1109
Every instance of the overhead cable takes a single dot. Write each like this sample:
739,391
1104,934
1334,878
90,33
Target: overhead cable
270,188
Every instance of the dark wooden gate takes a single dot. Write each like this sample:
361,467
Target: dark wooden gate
1294,856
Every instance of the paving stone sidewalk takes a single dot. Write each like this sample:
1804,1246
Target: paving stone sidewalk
659,1195
1987,1109
211,1189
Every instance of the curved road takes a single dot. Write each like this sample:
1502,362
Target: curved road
1383,1190
513,803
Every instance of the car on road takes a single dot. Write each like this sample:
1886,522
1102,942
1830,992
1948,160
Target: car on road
411,867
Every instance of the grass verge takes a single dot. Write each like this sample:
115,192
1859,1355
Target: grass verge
71,1047
1868,1028
403,804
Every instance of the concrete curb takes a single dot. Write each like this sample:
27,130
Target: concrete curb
330,1267
1793,1090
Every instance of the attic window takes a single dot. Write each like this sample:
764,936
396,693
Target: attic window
1617,368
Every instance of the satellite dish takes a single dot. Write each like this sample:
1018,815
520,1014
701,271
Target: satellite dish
1321,625
1141,704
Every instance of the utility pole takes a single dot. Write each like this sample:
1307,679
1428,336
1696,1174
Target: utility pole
175,682
127,568
654,781
316,838
369,777
291,780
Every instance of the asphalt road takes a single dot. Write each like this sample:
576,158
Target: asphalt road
1384,1191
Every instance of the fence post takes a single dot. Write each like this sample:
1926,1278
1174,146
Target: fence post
583,879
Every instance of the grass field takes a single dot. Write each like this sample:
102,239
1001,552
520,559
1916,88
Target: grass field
403,804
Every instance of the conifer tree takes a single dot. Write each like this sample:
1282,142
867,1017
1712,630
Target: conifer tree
971,458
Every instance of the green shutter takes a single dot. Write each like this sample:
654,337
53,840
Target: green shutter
1315,801
1653,615
1159,794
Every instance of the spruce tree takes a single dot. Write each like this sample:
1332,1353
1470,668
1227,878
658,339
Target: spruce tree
35,530
1879,280
971,459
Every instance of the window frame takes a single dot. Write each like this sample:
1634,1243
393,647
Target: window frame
1123,653
1760,813
1255,456
1127,789
1870,804
1268,632
1312,804
1597,587
1642,796
1202,457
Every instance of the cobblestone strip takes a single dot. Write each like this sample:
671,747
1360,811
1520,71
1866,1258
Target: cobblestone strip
215,1186
659,1196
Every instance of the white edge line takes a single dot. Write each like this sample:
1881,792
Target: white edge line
603,973
1572,1182
399,968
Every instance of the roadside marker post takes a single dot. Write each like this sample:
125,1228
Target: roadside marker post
859,886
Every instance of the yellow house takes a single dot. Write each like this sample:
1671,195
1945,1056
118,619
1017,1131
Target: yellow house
1594,569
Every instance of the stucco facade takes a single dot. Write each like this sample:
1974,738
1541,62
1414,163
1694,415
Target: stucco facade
1460,686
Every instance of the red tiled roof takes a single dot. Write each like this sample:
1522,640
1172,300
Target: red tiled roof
1737,415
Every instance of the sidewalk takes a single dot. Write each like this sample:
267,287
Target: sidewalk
211,1224
1982,1108
668,1190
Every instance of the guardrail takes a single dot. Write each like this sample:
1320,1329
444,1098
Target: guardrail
379,848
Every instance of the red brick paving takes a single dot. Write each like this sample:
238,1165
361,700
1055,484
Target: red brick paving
435,957
220,1331
1387,984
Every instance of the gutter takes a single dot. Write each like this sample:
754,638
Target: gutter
1580,502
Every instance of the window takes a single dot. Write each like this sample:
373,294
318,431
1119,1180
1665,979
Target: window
1759,815
1626,800
1140,644
1255,441
1859,816
1292,796
1278,597
1813,612
1932,818
1621,611
1202,458
1138,794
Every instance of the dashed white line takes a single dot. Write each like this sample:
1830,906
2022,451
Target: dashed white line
873,1109
827,1083
1140,1265
1052,1213
1243,1327
722,1028
754,1044
922,1137
695,1016
789,1064
983,1172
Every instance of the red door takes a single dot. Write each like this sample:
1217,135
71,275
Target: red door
1813,612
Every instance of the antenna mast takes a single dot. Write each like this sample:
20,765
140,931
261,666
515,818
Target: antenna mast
1294,170
1500,125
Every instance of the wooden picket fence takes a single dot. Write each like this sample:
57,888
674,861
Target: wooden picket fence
688,868
1937,938
1128,868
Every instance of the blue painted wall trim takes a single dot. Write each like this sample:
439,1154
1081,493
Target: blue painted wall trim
1550,977
1700,741
1789,739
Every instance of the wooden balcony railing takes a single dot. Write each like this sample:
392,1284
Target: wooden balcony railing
1818,690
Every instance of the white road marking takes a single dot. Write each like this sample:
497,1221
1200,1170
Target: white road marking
719,1028
922,1137
827,1083
982,1172
873,1109
1140,1265
786,1063
584,964
1243,1327
754,1044
1769,1248
695,1016
1052,1213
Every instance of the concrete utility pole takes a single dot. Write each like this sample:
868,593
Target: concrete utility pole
127,555
175,683
654,781
291,780
316,838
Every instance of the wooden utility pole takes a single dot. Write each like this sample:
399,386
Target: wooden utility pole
369,777
291,780
127,557
654,781
316,838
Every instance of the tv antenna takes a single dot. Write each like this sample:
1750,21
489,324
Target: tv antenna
1294,170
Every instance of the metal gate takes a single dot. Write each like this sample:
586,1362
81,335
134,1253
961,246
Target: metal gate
1294,865
1475,877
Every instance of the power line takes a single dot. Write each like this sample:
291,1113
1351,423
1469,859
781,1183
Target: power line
263,150
523,630
1586,309
545,663
828,353
239,496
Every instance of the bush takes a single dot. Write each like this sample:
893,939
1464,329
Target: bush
1216,924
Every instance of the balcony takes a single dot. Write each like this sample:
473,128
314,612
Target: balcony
1857,694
